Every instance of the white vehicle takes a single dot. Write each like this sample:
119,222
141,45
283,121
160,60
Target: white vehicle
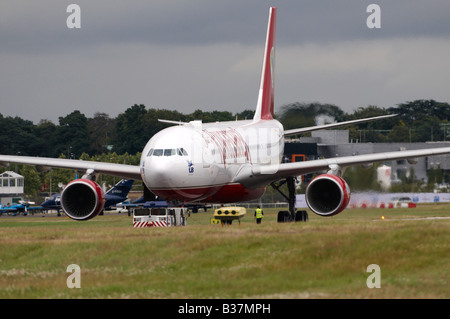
159,217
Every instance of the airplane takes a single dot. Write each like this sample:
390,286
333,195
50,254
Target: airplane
223,162
117,194
22,207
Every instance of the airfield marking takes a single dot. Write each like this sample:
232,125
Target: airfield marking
412,218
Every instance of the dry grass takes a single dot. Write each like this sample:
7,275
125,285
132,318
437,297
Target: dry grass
324,258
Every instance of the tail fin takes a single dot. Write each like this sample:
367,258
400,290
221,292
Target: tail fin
264,107
121,188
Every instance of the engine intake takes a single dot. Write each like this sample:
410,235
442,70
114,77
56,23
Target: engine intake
327,195
82,199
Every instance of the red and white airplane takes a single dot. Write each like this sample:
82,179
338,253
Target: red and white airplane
222,162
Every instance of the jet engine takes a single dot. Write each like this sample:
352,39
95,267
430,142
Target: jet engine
82,199
327,195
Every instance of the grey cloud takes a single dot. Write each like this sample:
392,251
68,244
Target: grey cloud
207,54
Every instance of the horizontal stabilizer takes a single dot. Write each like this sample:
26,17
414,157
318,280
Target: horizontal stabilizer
333,125
172,122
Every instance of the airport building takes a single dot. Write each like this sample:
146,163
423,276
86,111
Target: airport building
11,187
333,143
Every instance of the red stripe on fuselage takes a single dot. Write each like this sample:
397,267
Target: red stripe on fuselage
229,193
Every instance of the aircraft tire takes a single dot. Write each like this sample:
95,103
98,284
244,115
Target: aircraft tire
283,216
301,216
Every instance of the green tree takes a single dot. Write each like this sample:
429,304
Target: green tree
399,134
423,117
362,179
72,135
17,136
245,115
435,176
297,114
32,181
101,133
132,130
59,177
208,117
373,131
46,133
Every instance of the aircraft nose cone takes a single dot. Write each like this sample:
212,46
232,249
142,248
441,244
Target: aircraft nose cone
158,173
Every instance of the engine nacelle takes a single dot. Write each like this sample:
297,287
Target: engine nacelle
82,199
327,195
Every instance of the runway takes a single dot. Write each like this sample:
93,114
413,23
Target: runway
412,218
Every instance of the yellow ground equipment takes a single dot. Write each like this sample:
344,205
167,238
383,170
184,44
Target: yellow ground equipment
226,215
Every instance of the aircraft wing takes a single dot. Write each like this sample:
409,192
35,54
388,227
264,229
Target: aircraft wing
333,125
120,170
260,175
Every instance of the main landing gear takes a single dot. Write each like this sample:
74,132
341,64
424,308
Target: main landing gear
291,215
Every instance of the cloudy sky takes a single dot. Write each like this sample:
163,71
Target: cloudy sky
198,54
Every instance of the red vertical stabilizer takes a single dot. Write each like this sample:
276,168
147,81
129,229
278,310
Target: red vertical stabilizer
264,107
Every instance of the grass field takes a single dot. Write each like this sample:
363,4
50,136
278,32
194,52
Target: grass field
323,258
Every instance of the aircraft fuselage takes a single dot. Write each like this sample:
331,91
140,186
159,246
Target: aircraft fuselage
198,162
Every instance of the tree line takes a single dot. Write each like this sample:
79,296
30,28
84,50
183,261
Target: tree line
417,121
75,134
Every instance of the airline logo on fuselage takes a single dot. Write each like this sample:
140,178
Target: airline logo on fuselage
190,167
230,144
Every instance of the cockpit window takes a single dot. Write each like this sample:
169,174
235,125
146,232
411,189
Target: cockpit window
169,152
158,152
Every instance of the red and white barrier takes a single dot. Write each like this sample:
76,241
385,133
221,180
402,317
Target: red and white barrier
150,224
140,224
158,224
